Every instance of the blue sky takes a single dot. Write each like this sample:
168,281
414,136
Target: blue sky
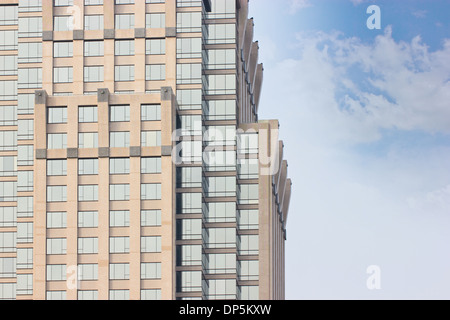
365,117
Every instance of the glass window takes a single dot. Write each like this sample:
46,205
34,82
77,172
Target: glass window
56,220
189,255
189,22
25,130
88,193
150,112
25,207
30,27
56,167
8,241
93,48
248,244
30,78
56,193
188,281
25,181
219,160
189,73
25,155
87,114
221,59
56,295
93,22
124,73
124,1
63,23
124,48
8,216
30,52
248,219
62,3
8,166
151,191
119,139
26,103
93,2
220,237
57,115
151,138
8,40
189,203
119,294
8,89
155,72
90,295
93,74
221,84
151,165
221,33
7,269
88,271
189,229
221,263
24,232
249,292
119,271
119,166
8,140
57,246
30,5
8,15
24,258
88,219
119,192
220,109
88,140
189,177
87,166
155,46
87,245
124,21
151,270
151,244
155,20
119,218
188,48
222,289
62,75
189,99
249,270
63,49
151,218
191,125
8,65
24,284
248,194
56,272
151,294
119,245
119,113
220,211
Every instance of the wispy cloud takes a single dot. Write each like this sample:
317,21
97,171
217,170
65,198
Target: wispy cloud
420,13
296,5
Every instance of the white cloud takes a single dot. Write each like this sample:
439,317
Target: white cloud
355,89
296,5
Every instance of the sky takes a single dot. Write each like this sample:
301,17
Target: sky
365,118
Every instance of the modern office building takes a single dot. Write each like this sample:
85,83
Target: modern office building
133,164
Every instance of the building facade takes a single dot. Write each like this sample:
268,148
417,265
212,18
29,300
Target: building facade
133,164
